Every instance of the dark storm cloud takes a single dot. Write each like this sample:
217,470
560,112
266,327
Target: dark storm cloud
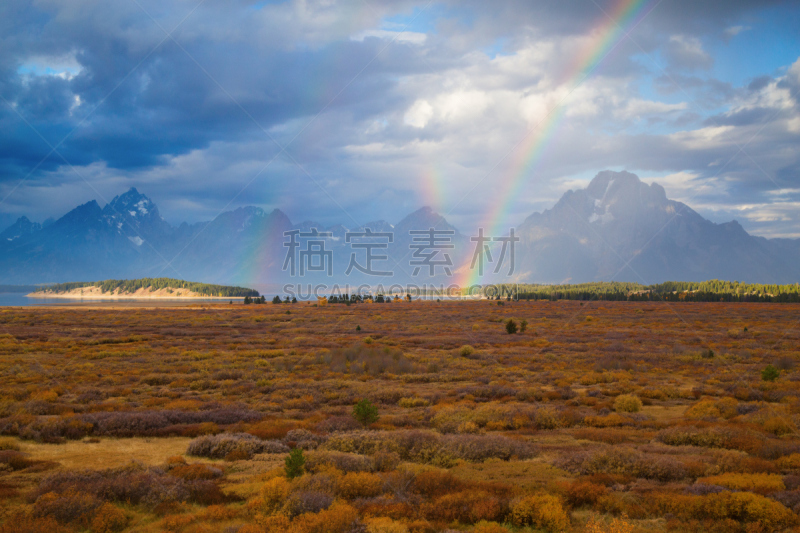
365,112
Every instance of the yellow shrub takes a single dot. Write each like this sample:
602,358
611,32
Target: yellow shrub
617,525
748,507
703,409
627,403
360,485
413,402
751,482
273,494
384,525
540,510
8,444
472,427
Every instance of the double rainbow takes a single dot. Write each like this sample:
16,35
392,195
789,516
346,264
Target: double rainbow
616,25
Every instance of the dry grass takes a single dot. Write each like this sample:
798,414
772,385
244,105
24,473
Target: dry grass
107,453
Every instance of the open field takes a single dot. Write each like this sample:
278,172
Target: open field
599,416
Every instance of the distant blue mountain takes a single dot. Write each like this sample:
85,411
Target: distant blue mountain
618,228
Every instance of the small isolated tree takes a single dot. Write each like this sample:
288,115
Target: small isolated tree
247,300
295,463
523,325
294,300
358,328
276,300
511,326
770,373
365,412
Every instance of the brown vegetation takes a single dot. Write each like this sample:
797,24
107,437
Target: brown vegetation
599,416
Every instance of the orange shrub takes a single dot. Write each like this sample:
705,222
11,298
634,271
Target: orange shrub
384,525
30,524
196,471
789,462
359,485
778,426
338,518
585,493
540,510
108,519
435,483
176,522
761,483
468,506
739,506
215,513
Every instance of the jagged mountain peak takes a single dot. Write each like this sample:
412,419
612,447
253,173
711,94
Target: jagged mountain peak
423,219
132,203
20,229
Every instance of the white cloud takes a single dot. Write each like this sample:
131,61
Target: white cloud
685,52
636,108
418,114
733,31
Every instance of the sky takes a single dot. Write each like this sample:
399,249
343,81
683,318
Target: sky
349,112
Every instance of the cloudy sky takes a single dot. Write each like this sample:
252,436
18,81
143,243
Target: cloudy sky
351,111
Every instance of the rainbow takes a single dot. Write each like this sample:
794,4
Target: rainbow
617,24
431,184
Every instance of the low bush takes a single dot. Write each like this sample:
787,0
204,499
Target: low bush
430,447
625,461
8,444
739,506
542,511
759,483
108,519
22,523
489,527
338,423
359,485
133,484
384,525
15,460
581,493
218,446
301,502
346,462
338,518
627,403
71,507
467,507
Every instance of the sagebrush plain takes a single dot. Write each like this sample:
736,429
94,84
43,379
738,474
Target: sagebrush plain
594,416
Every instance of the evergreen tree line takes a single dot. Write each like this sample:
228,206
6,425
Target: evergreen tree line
154,284
671,291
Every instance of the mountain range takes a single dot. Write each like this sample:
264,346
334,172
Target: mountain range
616,229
